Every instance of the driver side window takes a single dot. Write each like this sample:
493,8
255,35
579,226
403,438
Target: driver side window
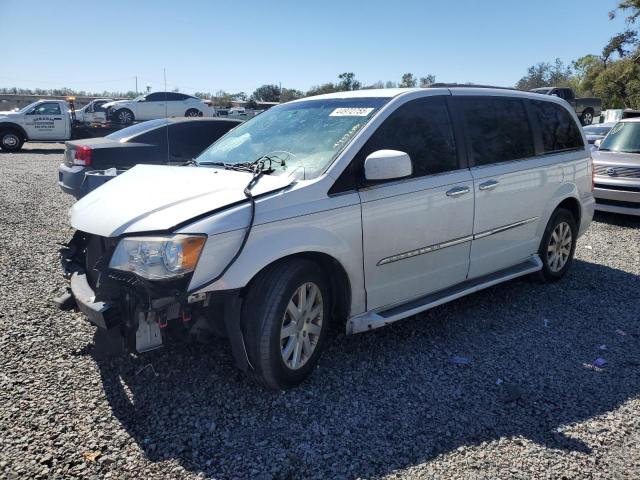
46,109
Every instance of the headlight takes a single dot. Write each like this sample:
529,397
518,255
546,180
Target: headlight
157,258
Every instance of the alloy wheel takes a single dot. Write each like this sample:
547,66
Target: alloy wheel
124,116
301,325
559,248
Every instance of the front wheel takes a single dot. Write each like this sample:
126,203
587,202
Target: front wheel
193,112
11,141
558,245
125,116
285,320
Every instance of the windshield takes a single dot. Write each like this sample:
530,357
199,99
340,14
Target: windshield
24,109
624,137
306,136
596,130
139,98
126,133
543,91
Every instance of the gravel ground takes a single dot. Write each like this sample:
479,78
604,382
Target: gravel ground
389,403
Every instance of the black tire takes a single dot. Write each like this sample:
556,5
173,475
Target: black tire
263,316
11,140
193,112
551,272
587,117
124,116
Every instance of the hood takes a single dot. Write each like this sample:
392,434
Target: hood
150,198
114,103
616,158
8,113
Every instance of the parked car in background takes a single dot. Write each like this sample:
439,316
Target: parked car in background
596,131
157,105
162,141
586,108
616,165
361,207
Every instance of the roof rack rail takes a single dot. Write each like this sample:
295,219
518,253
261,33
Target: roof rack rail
468,85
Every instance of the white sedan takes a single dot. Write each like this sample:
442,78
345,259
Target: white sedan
157,105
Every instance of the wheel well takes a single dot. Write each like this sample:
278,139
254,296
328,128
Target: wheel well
335,274
573,206
13,127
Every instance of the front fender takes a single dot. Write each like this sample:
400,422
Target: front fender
336,233
13,126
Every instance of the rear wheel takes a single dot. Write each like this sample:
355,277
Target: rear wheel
193,112
558,245
587,117
285,321
125,116
11,140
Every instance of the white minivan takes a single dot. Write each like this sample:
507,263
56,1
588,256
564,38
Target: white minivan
357,208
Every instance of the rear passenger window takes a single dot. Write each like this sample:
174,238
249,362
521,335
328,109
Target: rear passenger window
498,129
421,128
559,130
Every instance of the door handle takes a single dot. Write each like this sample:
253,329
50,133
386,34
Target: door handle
457,191
488,185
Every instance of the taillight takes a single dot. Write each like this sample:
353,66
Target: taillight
82,156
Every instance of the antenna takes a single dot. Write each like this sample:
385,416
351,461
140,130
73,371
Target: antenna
166,113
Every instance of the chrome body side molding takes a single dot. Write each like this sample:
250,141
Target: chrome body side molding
451,243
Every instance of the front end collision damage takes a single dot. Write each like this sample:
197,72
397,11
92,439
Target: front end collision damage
143,313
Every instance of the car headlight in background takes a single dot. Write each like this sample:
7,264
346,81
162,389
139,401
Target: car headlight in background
158,257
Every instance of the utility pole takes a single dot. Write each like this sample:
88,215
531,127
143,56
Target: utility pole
136,84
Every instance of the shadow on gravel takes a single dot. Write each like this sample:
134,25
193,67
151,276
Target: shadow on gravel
34,151
393,398
617,219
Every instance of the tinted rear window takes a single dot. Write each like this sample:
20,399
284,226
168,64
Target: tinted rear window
559,131
125,133
498,129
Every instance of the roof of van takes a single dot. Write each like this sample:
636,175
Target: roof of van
394,92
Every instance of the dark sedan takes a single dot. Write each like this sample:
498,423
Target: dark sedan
172,141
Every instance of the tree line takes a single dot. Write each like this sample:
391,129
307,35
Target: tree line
265,93
613,74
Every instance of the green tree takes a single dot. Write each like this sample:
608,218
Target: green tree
320,89
252,104
631,7
267,93
289,94
427,80
618,44
408,81
546,74
348,82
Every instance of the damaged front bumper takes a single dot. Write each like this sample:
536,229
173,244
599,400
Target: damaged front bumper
143,313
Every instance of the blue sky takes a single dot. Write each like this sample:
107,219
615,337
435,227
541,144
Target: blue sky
240,45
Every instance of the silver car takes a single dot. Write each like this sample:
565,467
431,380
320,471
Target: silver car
596,132
616,166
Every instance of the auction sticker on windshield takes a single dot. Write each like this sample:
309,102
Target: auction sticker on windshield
351,112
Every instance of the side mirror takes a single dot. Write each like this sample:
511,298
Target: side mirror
387,165
597,143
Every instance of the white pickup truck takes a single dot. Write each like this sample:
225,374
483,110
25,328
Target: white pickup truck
49,121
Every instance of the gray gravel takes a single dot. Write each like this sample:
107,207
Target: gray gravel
525,403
